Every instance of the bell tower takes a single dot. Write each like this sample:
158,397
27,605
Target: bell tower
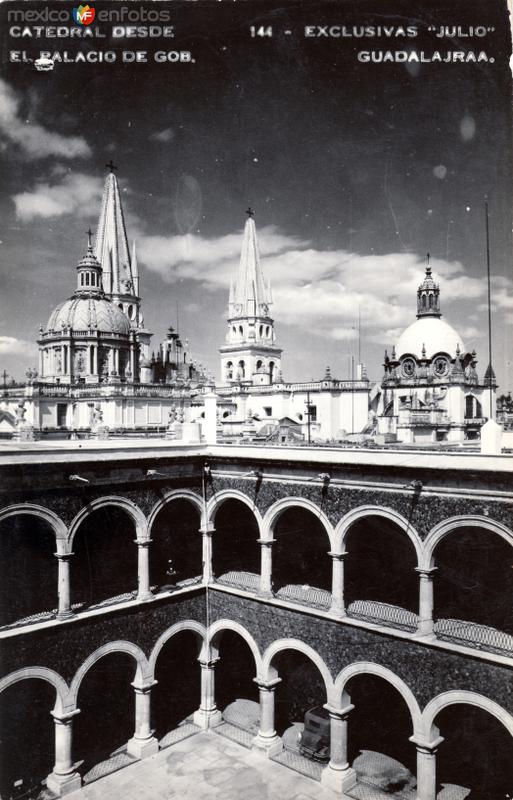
250,355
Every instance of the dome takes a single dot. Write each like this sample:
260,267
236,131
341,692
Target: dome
84,313
433,333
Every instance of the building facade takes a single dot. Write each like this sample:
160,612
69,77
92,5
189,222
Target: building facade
369,582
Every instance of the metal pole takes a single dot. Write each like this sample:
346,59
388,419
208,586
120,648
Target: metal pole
352,394
308,414
489,308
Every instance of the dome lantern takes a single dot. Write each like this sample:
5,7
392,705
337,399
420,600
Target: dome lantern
89,272
428,296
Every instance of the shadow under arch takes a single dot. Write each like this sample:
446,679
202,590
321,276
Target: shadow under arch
64,702
44,514
274,512
343,527
340,698
176,494
268,672
179,627
452,524
214,635
141,526
143,675
429,730
221,497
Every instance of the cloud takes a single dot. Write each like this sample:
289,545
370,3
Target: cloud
166,135
33,139
10,346
321,290
75,194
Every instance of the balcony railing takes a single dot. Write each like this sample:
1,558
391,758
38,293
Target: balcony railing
305,595
383,614
248,581
472,634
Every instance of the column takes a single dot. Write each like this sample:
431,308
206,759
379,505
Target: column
426,767
426,625
337,584
338,775
208,715
267,739
206,534
143,569
63,586
116,360
143,743
266,566
95,359
132,361
64,779
41,367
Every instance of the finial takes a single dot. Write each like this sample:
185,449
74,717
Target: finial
250,212
458,351
89,234
428,268
423,351
112,167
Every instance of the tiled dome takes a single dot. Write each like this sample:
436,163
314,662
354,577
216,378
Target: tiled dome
89,313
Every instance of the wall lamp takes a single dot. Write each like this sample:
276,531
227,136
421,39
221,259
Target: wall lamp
255,473
415,485
78,478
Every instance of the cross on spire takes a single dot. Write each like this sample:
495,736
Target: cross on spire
89,234
250,212
112,167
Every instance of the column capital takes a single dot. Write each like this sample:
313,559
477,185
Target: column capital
269,685
143,542
208,530
64,717
423,746
208,663
338,713
64,556
266,542
426,572
337,556
143,688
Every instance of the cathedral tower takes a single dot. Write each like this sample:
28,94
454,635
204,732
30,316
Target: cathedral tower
250,354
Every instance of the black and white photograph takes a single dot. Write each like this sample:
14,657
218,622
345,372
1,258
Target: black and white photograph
256,412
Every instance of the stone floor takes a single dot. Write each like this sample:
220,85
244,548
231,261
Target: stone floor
202,767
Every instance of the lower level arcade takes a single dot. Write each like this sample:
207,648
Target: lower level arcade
124,704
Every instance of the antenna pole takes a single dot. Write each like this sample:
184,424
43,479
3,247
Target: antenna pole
489,307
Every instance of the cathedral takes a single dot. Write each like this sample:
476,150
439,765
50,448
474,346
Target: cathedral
98,375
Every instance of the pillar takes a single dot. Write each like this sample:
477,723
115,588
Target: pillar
63,586
142,743
64,779
426,624
208,715
95,359
266,566
337,584
426,767
143,569
116,361
338,775
267,739
206,534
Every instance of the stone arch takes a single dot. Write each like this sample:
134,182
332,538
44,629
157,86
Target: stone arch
44,514
176,494
215,503
268,672
345,524
427,727
213,636
370,668
142,673
123,503
185,625
63,697
446,527
276,510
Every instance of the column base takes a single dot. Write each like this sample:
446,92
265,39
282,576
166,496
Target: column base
143,598
63,784
142,748
265,593
338,612
270,745
65,615
425,632
207,719
338,780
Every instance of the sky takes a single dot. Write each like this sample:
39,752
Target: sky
355,171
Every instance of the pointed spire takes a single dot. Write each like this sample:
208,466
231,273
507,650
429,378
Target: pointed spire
111,244
250,295
489,377
135,269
